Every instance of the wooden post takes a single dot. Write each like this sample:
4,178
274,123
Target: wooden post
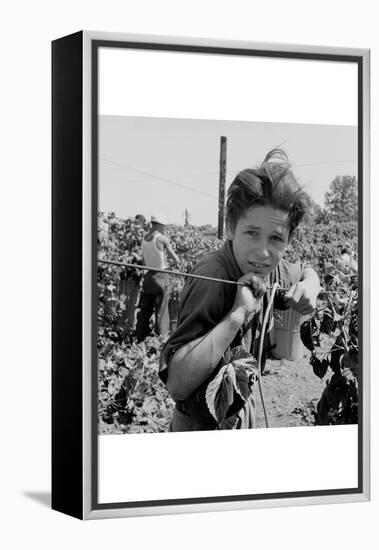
221,189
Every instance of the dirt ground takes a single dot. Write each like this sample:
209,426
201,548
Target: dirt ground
291,391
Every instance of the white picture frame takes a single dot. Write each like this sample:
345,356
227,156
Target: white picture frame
84,484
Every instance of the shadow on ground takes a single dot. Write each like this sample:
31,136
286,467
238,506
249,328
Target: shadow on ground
42,497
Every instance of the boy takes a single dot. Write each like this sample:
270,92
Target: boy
264,207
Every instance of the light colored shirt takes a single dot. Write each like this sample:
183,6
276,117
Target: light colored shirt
152,255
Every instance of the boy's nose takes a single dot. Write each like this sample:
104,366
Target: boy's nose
264,253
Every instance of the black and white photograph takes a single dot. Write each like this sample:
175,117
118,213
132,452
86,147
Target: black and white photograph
269,208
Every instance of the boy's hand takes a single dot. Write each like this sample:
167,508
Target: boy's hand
248,298
302,297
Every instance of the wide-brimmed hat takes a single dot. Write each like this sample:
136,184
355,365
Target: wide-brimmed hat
158,218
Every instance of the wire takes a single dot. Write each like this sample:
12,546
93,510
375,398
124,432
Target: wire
188,176
166,180
179,273
326,162
193,276
199,175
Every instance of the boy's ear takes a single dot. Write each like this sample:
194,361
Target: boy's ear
229,233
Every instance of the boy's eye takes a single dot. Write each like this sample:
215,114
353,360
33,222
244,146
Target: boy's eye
277,238
254,233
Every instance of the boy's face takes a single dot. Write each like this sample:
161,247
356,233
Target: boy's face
259,239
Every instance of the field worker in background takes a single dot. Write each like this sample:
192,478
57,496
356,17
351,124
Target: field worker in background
209,362
154,292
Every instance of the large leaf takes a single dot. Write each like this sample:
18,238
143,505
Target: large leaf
227,393
220,393
246,370
320,367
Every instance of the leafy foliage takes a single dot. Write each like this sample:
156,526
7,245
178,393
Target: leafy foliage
132,399
341,201
191,243
320,243
335,325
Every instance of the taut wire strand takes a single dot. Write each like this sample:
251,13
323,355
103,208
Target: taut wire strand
193,276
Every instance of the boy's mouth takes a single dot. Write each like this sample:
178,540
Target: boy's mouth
260,266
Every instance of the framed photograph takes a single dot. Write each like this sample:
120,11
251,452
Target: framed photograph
210,275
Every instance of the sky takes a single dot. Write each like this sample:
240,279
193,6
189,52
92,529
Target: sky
167,165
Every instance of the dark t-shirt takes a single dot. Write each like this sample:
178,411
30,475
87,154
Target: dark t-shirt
203,305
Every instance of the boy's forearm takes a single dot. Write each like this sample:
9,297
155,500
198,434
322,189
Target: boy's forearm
193,363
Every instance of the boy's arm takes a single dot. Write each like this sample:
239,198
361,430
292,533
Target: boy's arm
194,362
302,296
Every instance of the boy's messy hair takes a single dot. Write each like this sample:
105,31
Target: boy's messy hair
271,184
